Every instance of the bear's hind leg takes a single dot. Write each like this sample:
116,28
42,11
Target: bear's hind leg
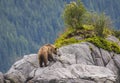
41,64
45,62
41,61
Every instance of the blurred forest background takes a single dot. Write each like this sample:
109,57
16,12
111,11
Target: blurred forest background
25,25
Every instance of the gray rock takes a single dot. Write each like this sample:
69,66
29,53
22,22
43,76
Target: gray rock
118,79
95,50
15,77
99,62
77,53
105,56
7,81
112,66
112,38
1,78
19,71
117,60
75,65
96,55
87,73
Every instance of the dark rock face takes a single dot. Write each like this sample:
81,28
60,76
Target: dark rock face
78,63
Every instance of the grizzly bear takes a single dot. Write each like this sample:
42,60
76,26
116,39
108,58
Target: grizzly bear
45,54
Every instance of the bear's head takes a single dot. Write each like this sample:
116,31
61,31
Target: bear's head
54,49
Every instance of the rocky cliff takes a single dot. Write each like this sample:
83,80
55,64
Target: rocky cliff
78,63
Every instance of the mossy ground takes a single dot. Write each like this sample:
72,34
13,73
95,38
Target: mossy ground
105,44
69,35
66,38
86,34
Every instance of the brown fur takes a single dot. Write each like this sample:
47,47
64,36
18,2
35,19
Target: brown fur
45,54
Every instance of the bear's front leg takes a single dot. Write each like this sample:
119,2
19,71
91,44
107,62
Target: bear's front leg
40,61
41,64
52,59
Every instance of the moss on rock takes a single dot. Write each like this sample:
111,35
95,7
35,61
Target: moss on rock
86,34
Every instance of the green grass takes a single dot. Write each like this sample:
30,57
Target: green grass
60,43
88,35
66,38
105,44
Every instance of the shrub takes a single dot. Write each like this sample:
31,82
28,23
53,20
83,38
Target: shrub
91,27
117,33
73,13
101,23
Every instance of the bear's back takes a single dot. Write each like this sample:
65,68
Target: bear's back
43,49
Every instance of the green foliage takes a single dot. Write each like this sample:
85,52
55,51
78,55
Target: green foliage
88,27
110,7
105,44
107,32
64,38
73,13
102,23
68,37
75,16
87,34
117,33
63,42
